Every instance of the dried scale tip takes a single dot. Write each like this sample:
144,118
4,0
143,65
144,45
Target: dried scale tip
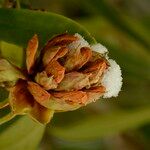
69,75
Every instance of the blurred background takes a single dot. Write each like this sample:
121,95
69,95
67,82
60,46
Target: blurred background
121,123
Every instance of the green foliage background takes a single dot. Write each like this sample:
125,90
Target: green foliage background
113,124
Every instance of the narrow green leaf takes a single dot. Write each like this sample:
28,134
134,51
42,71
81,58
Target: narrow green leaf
103,125
119,21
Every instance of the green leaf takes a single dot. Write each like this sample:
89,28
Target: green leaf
103,125
18,26
23,134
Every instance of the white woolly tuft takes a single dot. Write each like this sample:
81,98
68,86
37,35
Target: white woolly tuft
99,48
81,42
112,80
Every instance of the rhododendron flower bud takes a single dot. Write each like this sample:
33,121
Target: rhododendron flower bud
69,73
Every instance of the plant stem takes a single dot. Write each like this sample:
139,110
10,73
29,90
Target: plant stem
7,118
